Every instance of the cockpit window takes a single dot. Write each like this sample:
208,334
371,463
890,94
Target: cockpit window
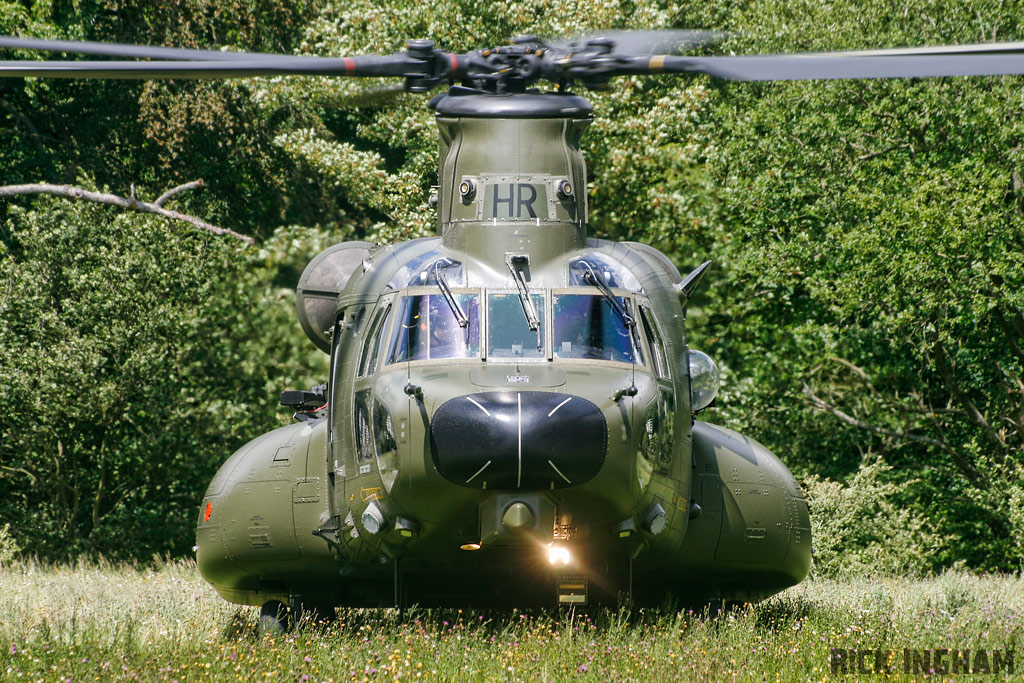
654,342
613,273
508,331
586,326
376,342
423,270
426,328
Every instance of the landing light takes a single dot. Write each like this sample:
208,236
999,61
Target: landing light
373,518
656,519
559,555
703,380
470,546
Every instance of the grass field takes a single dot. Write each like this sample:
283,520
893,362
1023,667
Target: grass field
92,622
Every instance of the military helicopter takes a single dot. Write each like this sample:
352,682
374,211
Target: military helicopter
510,415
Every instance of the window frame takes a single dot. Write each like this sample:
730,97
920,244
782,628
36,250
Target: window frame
390,341
655,340
639,354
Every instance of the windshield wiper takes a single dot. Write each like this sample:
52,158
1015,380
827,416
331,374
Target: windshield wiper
595,280
453,303
517,263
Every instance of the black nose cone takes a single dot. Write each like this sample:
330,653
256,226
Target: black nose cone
519,440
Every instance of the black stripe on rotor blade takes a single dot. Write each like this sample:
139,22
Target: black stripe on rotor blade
139,51
827,67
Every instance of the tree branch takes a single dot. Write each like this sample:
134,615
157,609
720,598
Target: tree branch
20,470
115,200
175,190
965,467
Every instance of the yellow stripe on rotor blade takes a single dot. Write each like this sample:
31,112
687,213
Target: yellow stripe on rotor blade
657,63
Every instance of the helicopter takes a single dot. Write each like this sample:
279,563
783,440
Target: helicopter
510,415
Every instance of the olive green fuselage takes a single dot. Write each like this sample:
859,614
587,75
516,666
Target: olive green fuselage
467,458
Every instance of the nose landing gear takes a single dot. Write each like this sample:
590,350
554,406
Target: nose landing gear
275,618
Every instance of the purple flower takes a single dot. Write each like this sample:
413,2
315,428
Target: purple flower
582,669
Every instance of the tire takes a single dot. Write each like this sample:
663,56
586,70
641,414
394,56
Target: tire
274,618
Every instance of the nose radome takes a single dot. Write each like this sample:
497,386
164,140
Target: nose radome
519,440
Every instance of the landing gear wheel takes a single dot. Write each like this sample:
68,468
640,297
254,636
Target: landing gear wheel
274,618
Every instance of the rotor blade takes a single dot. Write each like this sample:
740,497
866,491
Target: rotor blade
394,65
138,51
994,48
372,97
664,41
840,66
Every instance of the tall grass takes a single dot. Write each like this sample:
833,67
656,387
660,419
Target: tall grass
104,622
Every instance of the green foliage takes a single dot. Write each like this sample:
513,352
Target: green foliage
158,135
873,299
9,548
135,355
861,529
868,238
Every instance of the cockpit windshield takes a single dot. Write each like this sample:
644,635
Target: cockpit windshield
427,329
508,329
587,326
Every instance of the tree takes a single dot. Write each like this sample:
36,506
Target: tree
135,354
876,257
866,293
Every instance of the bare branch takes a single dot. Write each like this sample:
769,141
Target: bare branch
965,467
856,370
123,202
175,190
20,470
